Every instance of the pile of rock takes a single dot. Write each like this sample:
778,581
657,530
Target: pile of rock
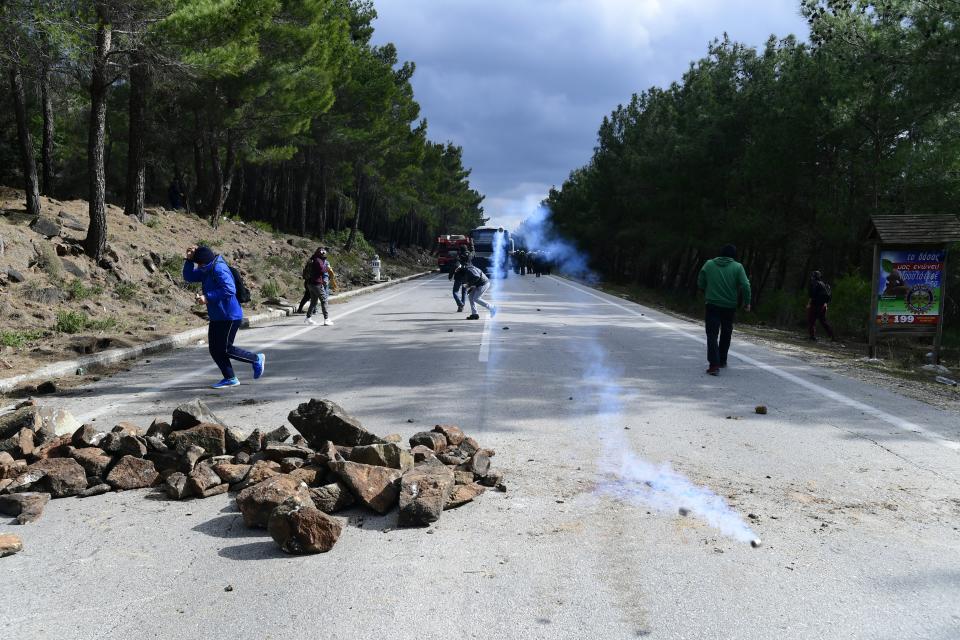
287,485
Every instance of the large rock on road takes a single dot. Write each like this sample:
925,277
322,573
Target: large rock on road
322,420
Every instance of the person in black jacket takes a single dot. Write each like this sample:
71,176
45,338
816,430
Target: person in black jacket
820,297
477,284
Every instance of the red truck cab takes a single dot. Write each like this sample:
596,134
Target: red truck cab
448,250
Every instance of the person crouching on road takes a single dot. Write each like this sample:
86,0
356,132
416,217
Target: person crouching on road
820,297
477,284
220,295
459,286
721,279
320,277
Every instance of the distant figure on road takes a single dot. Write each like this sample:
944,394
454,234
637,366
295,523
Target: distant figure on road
477,284
721,279
820,297
459,286
220,295
320,276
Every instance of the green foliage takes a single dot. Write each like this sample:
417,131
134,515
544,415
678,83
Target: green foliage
75,321
850,308
70,322
19,339
261,225
784,150
270,289
126,291
77,290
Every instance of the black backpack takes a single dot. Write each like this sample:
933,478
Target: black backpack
827,292
243,294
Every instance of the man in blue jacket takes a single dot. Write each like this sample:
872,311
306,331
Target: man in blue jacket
220,295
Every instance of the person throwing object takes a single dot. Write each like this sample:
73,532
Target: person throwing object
477,284
219,293
721,279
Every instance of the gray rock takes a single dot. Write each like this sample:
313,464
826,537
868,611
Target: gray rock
14,276
193,413
87,436
95,490
45,226
132,473
303,529
257,502
376,487
176,486
233,440
209,436
322,420
424,493
429,439
332,497
60,477
73,268
26,506
383,455
280,434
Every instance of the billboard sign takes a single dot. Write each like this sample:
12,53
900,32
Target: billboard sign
910,289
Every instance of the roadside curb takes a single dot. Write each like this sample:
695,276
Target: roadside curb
169,343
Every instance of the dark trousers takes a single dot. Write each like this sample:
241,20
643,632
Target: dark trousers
719,323
818,312
305,299
220,336
318,293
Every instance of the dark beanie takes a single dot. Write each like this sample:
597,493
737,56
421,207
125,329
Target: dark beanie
728,251
203,255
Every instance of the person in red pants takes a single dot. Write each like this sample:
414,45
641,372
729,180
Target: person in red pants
820,297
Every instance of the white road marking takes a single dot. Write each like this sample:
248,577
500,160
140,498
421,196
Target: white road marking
162,386
485,341
890,419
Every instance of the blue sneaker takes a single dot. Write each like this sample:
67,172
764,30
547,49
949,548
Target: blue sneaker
226,382
259,365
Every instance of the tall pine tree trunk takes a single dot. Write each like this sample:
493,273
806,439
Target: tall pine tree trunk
356,215
46,150
304,192
222,177
29,163
96,240
136,155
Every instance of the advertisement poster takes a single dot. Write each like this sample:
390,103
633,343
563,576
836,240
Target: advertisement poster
910,289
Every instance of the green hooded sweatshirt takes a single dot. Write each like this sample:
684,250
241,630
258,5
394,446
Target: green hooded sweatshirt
719,279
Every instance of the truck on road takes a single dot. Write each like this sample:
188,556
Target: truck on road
447,250
492,249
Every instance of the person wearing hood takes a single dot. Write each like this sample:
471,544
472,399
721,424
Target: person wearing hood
477,284
319,277
722,280
219,293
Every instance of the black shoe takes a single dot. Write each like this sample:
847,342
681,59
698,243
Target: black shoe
713,371
722,365
473,317
460,309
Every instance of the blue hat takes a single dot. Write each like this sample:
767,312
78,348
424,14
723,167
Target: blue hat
203,255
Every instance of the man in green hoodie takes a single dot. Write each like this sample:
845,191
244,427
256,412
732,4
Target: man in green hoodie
722,280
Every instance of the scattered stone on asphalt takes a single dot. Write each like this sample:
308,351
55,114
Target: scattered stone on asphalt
256,503
324,420
298,528
287,485
27,506
9,544
332,497
761,409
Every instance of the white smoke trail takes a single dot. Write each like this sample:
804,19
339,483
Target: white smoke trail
627,476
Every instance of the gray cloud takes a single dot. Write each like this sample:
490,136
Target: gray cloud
523,85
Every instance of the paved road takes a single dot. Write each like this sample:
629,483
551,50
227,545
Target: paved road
854,490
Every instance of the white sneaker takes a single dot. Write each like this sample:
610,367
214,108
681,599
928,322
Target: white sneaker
327,322
310,321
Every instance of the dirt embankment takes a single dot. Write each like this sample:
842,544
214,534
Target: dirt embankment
56,303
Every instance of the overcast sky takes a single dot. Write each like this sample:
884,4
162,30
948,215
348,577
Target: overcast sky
522,85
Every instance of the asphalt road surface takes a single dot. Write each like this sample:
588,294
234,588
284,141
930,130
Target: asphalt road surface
854,491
